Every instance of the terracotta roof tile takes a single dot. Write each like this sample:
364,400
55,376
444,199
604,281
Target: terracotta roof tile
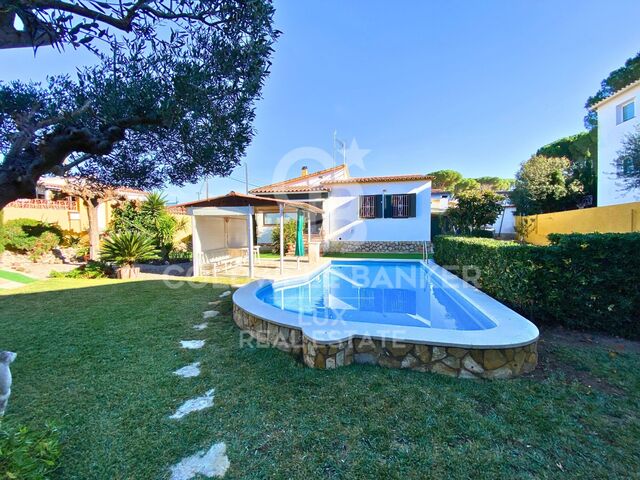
285,185
595,106
386,178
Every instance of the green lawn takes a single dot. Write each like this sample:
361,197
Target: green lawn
95,357
16,277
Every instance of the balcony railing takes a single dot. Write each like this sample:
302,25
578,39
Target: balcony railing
45,204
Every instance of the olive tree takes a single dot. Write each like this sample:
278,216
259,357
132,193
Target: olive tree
170,98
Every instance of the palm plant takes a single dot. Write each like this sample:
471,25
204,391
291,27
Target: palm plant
127,248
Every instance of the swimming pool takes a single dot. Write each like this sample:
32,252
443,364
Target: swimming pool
391,293
405,314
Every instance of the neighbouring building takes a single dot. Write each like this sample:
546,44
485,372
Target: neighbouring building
617,118
368,214
51,205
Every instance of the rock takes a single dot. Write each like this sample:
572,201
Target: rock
213,463
192,344
409,361
457,352
210,314
194,405
438,353
498,373
330,363
493,359
398,349
363,345
423,352
452,362
340,358
201,326
311,350
388,361
444,369
365,358
466,374
477,355
470,364
319,361
192,370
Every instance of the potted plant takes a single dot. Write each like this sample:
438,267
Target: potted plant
126,248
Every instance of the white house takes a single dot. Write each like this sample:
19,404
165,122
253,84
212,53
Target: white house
391,213
617,118
368,214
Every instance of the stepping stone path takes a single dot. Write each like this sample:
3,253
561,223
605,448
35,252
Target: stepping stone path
192,344
213,463
194,405
192,370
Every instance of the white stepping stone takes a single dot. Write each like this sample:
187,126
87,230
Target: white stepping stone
225,293
212,463
194,405
201,326
191,370
216,302
210,314
192,344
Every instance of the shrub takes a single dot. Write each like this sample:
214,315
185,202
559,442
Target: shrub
473,210
91,270
33,237
127,248
152,218
26,454
582,281
290,231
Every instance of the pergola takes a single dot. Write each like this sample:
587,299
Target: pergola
237,205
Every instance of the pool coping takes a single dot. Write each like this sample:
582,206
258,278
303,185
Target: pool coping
511,329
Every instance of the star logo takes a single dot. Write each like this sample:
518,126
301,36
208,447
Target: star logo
355,155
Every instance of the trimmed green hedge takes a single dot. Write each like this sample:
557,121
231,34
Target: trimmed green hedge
582,281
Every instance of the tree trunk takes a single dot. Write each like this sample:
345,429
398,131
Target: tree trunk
94,229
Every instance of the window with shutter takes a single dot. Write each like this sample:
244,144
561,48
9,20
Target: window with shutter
367,206
400,206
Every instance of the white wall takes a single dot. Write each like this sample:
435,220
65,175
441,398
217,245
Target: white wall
213,234
342,216
440,201
210,232
509,222
610,136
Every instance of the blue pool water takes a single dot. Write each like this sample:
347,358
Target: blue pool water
402,293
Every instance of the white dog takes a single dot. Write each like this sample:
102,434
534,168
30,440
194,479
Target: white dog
5,379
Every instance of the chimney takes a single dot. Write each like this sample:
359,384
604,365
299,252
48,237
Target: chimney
304,172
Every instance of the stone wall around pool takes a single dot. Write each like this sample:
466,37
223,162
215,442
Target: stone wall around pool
344,246
476,363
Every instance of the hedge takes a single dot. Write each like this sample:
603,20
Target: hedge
581,281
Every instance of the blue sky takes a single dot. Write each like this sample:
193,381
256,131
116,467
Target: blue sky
475,86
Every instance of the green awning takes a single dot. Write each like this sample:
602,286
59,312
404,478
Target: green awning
300,234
